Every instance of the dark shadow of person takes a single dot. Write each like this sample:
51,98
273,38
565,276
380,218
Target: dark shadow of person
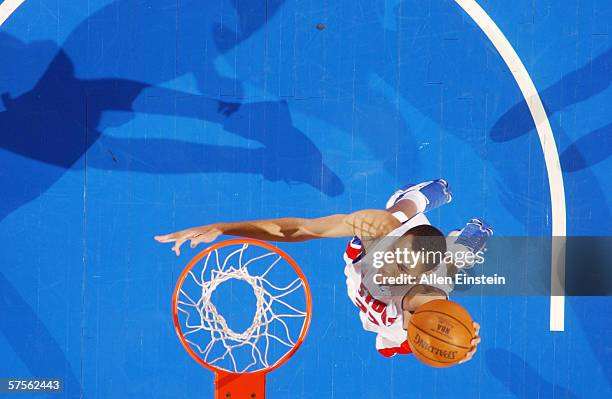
54,106
164,40
250,15
54,123
61,116
585,82
290,156
520,378
588,150
574,87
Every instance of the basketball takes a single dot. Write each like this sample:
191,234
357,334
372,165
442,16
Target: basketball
440,332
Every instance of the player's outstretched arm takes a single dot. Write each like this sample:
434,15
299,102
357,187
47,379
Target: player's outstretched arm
283,229
365,223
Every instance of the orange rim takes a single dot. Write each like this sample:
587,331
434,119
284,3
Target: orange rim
222,244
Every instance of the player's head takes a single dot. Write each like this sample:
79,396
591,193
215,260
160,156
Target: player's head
428,245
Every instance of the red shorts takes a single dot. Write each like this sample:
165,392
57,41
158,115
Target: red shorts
403,349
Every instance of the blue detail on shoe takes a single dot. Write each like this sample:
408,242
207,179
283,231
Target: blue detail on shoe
475,234
437,192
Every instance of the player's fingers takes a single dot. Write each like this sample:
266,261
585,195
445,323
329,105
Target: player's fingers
198,240
474,342
467,358
165,238
177,245
476,328
173,236
211,235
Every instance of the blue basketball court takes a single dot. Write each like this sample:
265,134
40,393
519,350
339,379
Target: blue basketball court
125,119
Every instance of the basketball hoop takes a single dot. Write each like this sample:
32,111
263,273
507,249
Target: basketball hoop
283,306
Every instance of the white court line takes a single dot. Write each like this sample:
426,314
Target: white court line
7,7
551,156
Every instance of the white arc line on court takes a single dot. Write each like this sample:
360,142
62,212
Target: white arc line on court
7,7
551,156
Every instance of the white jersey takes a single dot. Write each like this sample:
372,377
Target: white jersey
381,315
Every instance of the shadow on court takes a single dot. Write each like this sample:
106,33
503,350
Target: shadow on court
53,113
58,101
588,150
589,80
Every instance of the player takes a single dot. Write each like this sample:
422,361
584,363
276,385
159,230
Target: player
385,310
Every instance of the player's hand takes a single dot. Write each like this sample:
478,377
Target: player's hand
197,235
372,223
475,342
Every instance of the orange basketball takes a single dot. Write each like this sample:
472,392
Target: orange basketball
440,332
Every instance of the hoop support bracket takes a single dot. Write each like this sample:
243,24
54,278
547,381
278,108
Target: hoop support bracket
240,385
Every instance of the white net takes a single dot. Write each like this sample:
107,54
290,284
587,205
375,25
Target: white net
276,318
